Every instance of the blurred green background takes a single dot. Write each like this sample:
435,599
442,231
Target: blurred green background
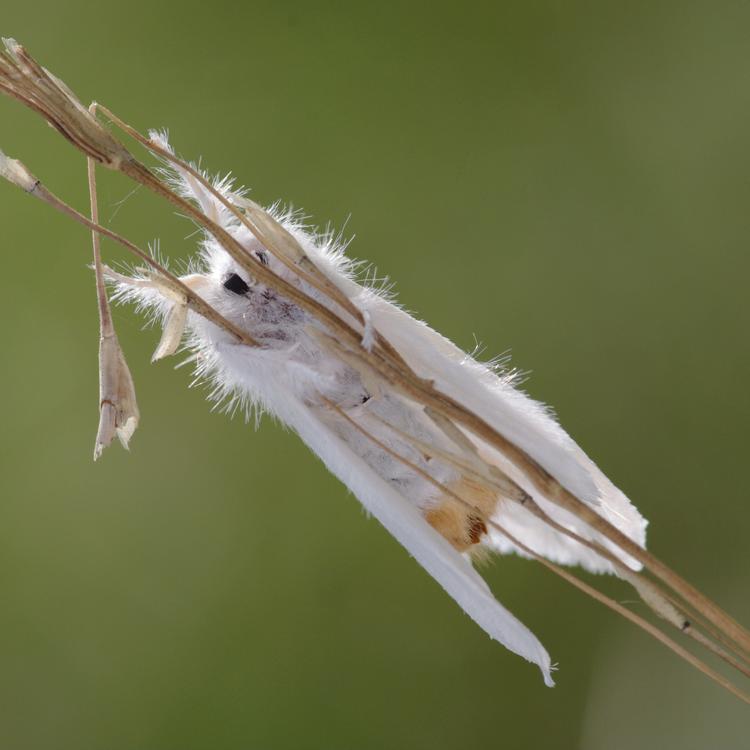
569,180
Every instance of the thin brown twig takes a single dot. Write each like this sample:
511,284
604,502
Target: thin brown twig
194,300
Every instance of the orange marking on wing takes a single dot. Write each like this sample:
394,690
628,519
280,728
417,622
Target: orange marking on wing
462,526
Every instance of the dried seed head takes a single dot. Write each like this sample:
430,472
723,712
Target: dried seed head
24,79
118,410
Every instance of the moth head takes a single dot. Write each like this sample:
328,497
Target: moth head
242,299
236,280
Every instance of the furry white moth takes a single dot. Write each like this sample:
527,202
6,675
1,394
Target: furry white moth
295,374
444,451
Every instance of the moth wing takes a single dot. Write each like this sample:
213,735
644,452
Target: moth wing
526,423
404,521
523,421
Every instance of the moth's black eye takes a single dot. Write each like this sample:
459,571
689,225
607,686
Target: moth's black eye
235,284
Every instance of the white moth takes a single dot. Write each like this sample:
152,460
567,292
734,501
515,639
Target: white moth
296,375
443,450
